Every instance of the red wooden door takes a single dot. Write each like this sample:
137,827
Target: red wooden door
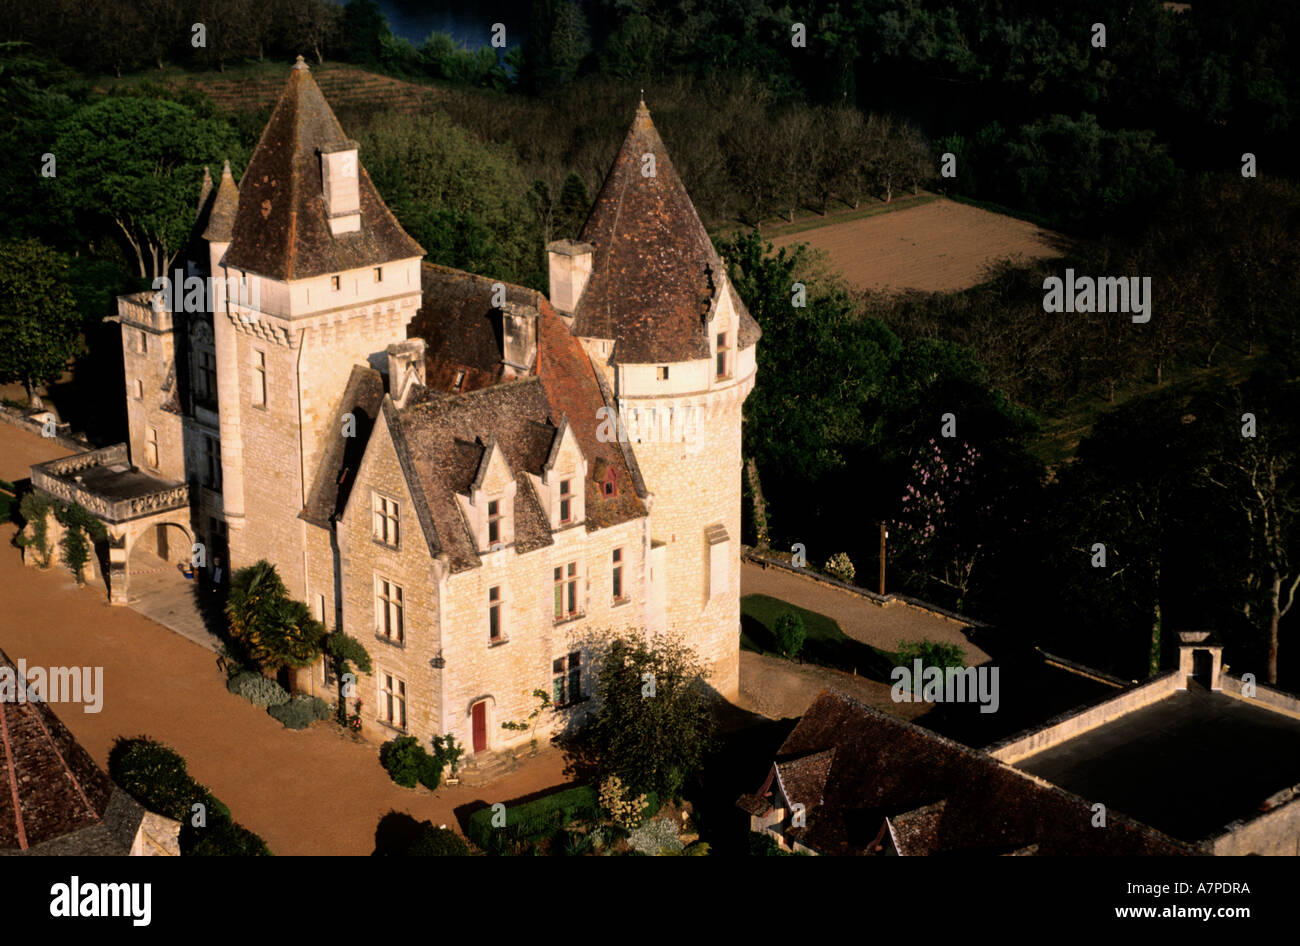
480,727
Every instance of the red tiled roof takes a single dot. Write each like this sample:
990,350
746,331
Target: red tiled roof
281,228
654,268
50,787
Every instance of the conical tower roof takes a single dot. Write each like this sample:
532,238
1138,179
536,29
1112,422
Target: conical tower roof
654,269
281,228
221,220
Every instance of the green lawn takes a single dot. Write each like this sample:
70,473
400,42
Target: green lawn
825,645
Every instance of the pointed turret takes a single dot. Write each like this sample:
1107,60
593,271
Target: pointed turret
307,206
221,220
654,272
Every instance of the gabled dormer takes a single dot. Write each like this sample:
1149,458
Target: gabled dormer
562,485
489,503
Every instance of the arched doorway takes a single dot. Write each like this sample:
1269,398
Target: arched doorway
480,712
155,556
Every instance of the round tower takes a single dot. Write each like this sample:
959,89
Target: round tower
649,297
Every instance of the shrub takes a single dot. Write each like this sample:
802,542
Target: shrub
257,689
155,775
840,566
437,842
576,843
697,849
655,836
931,654
764,845
623,810
34,508
790,634
224,838
407,762
301,711
538,819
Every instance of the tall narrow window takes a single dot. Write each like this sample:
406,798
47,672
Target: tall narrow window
494,614
259,379
494,522
139,390
566,501
212,462
662,372
388,611
379,274
722,354
336,283
151,446
566,679
566,591
144,342
617,576
385,520
205,379
392,700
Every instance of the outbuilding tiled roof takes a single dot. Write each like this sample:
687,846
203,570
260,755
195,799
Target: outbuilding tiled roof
654,268
940,797
281,228
54,799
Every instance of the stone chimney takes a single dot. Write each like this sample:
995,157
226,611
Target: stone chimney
1199,655
518,336
405,369
338,171
570,265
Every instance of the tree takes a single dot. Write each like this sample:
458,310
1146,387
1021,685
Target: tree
790,634
343,652
556,46
364,27
572,209
132,166
40,327
654,726
1257,476
273,629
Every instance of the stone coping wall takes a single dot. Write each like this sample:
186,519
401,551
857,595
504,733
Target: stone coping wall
1276,700
1276,832
62,436
1062,728
750,555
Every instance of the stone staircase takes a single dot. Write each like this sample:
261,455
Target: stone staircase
486,767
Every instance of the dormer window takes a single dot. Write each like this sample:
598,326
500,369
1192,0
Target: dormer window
460,380
566,501
609,484
494,522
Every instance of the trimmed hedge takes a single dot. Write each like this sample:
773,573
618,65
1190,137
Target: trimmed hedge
257,689
155,775
535,820
301,711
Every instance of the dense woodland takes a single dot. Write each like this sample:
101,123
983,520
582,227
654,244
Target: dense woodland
1133,152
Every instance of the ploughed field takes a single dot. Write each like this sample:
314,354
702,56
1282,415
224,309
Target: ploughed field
938,246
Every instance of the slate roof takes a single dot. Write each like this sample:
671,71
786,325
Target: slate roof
654,267
54,799
442,436
281,228
940,797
